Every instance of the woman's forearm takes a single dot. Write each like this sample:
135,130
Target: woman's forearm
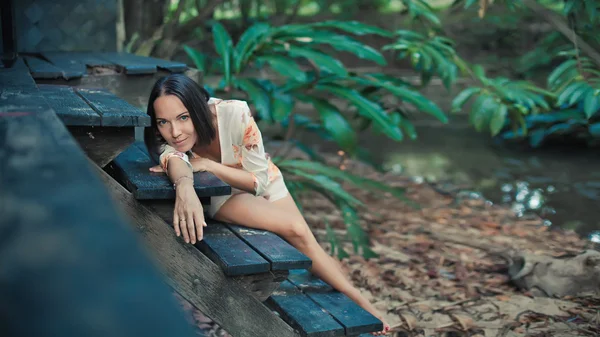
180,172
237,178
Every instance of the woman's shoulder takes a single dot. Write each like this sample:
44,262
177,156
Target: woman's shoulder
228,103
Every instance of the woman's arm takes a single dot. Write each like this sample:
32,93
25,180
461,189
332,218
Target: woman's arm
188,214
237,178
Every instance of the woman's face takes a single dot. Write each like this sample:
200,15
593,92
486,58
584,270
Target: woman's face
174,123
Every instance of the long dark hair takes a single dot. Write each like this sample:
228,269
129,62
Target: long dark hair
194,98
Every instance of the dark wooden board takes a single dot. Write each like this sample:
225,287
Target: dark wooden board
87,58
132,67
113,110
276,250
70,264
302,313
195,277
229,252
355,319
127,58
42,69
132,170
70,68
17,77
69,107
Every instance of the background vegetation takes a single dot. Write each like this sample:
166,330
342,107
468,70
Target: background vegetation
340,58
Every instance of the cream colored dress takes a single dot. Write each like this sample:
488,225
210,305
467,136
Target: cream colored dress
241,147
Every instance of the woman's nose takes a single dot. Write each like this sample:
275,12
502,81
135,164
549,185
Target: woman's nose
175,130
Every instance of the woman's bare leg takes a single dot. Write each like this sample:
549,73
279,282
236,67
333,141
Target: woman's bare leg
283,218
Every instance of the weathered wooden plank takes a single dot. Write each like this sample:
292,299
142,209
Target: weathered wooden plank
196,278
132,169
302,313
127,58
17,77
41,68
132,67
103,144
277,251
88,59
69,107
113,110
70,68
66,253
229,252
355,319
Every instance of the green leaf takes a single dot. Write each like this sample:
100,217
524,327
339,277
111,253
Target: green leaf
282,105
258,95
197,57
357,235
285,66
332,172
322,60
419,101
591,103
569,91
336,246
580,94
498,120
463,97
339,128
248,43
559,71
224,47
344,43
479,72
328,185
354,27
409,128
365,107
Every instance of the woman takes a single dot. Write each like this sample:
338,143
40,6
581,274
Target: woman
193,132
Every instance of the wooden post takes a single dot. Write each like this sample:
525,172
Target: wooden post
9,37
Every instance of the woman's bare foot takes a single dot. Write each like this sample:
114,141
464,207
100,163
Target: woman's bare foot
357,297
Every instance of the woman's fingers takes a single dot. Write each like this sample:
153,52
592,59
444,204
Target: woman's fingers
157,168
191,227
184,228
176,224
199,220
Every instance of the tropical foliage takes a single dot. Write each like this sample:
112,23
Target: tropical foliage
307,74
568,108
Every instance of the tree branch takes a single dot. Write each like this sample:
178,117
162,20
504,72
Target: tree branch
208,11
558,23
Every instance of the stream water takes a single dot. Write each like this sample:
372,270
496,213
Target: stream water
560,185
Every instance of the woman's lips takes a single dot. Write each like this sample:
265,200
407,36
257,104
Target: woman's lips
179,141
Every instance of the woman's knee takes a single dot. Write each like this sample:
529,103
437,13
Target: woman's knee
298,232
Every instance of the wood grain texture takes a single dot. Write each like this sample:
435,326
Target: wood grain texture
280,254
69,107
70,68
113,110
196,278
129,65
42,69
230,253
70,265
132,170
302,313
141,61
352,317
17,77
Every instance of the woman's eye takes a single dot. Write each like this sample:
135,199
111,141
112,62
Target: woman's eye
162,122
184,118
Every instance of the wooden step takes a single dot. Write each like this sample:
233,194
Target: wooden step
303,297
71,65
131,169
92,107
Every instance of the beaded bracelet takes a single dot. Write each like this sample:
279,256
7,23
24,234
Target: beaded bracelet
178,179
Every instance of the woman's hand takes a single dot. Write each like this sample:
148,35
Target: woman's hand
188,216
200,164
